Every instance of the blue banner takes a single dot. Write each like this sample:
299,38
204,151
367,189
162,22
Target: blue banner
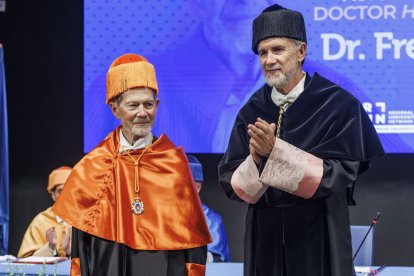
206,69
4,162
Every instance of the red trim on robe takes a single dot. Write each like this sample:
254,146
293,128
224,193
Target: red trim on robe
312,178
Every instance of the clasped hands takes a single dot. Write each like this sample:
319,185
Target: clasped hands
66,240
262,139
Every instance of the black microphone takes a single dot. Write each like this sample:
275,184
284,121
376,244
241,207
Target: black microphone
373,222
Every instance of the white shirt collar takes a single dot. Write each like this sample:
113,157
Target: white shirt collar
139,144
280,99
60,220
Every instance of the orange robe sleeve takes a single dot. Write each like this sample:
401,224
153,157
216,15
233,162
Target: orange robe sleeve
75,267
195,269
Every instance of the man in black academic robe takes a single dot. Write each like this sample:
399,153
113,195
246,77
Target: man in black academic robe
295,152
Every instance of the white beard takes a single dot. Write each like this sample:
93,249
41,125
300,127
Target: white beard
283,79
277,82
141,131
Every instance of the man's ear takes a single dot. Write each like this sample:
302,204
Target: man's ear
157,102
114,108
198,186
303,51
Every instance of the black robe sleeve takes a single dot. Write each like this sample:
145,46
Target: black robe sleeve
338,175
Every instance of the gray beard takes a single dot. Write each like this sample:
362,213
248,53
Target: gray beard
141,131
282,81
278,82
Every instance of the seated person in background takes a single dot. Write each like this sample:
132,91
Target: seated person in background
218,250
48,235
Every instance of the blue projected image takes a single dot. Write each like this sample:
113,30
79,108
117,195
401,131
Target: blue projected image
206,69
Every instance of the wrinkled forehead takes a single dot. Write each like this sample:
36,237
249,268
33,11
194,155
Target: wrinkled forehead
275,42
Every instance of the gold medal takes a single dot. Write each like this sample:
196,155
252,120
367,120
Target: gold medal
137,206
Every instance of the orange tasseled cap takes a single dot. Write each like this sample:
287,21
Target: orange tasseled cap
129,71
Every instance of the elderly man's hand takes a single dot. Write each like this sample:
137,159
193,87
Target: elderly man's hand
51,237
262,137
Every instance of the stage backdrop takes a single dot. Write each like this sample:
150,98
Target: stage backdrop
44,65
206,69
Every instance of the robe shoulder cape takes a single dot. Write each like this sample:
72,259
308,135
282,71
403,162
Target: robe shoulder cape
98,194
325,120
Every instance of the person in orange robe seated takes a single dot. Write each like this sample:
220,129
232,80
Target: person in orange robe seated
132,201
48,235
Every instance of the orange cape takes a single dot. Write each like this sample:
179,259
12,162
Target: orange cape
98,194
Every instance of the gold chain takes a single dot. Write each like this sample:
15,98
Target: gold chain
136,164
282,109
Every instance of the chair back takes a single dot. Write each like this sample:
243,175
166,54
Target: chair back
365,254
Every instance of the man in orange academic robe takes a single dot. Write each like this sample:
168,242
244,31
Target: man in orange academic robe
132,201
